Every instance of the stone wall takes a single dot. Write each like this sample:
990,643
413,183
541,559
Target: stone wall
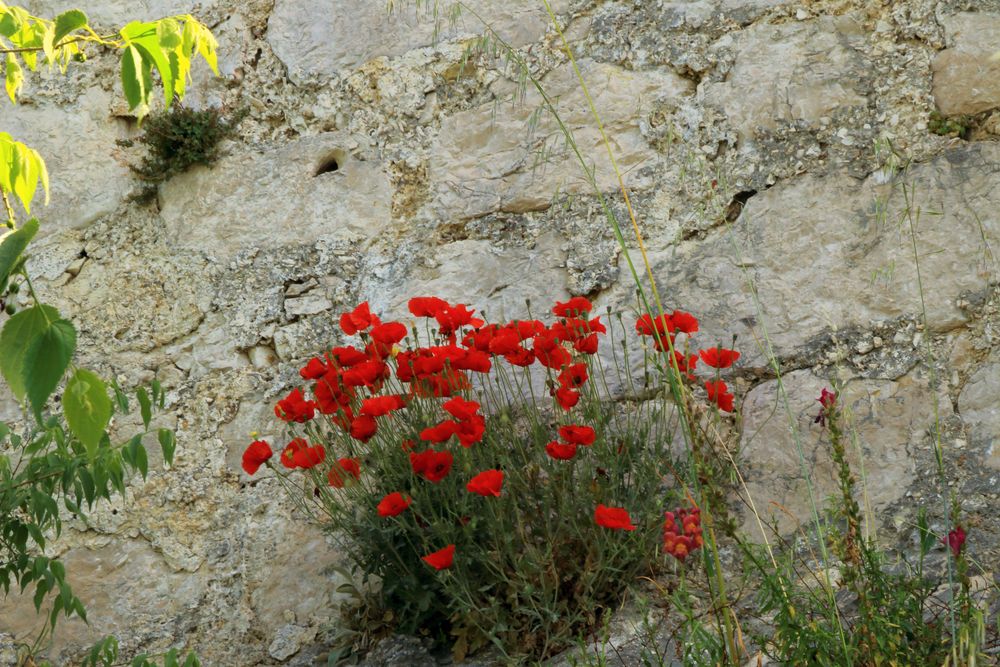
787,143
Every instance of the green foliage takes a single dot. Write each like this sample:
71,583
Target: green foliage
180,138
105,654
957,126
21,170
67,458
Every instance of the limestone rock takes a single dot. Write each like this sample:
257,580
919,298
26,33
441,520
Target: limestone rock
966,76
317,45
891,419
785,72
513,157
979,405
273,196
77,142
111,14
833,253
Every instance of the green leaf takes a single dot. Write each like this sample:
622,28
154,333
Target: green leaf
14,77
13,244
136,79
168,32
136,455
87,408
67,22
46,361
18,334
145,406
168,443
4,431
9,24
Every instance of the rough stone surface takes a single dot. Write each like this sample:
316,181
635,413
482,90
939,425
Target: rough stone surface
784,143
966,73
317,45
77,142
980,408
890,419
790,72
499,158
266,198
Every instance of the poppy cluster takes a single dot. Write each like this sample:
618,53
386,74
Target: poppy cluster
358,390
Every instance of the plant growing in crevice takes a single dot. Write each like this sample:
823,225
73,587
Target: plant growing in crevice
177,139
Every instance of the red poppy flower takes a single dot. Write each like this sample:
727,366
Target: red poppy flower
288,453
459,408
393,504
451,318
408,445
470,431
549,351
560,450
307,457
379,406
331,394
586,345
718,394
577,435
357,320
367,374
431,465
505,341
686,364
389,333
573,308
646,325
441,432
527,328
341,469
719,357
520,357
685,322
615,518
573,376
486,483
363,428
567,398
314,370
473,360
255,455
426,306
442,559
295,407
348,356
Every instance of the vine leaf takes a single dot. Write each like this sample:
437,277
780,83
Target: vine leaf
68,22
46,360
12,245
87,408
13,78
17,335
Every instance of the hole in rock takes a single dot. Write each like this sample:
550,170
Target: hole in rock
736,205
329,164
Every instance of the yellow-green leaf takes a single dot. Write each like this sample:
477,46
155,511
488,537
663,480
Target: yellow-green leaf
168,32
14,77
87,408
